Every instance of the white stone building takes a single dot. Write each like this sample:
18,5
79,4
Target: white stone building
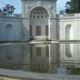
39,21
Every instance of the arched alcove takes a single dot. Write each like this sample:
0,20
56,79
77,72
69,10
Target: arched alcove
9,32
68,32
39,28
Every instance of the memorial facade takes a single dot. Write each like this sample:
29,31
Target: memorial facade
39,21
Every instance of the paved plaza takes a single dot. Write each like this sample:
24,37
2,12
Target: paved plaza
35,76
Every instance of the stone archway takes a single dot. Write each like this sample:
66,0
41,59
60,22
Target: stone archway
39,28
27,26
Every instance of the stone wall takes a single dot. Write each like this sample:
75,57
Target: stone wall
61,27
10,29
64,21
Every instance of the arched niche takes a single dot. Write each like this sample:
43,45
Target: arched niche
68,32
39,28
9,32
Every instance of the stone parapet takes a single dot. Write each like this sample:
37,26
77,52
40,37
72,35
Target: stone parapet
10,15
76,15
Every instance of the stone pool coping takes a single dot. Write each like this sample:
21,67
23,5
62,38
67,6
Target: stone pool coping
45,42
36,76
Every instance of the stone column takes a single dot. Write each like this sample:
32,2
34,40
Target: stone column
25,29
52,24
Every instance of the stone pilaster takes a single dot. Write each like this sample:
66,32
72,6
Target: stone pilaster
52,24
26,30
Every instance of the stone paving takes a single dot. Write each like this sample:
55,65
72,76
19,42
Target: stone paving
7,78
21,75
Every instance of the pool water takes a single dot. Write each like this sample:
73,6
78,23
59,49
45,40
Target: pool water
55,58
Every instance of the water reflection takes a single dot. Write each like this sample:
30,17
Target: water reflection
43,58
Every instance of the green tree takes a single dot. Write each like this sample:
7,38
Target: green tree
0,10
8,9
72,6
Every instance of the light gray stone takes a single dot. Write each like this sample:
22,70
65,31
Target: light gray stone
41,76
60,27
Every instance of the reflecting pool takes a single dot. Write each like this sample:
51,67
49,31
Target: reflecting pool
42,58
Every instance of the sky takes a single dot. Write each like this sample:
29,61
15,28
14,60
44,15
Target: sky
17,4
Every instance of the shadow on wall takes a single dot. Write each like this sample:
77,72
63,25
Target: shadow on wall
25,31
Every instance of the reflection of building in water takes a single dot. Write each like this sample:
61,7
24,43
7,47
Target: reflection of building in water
40,57
14,56
10,54
25,57
53,58
69,55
